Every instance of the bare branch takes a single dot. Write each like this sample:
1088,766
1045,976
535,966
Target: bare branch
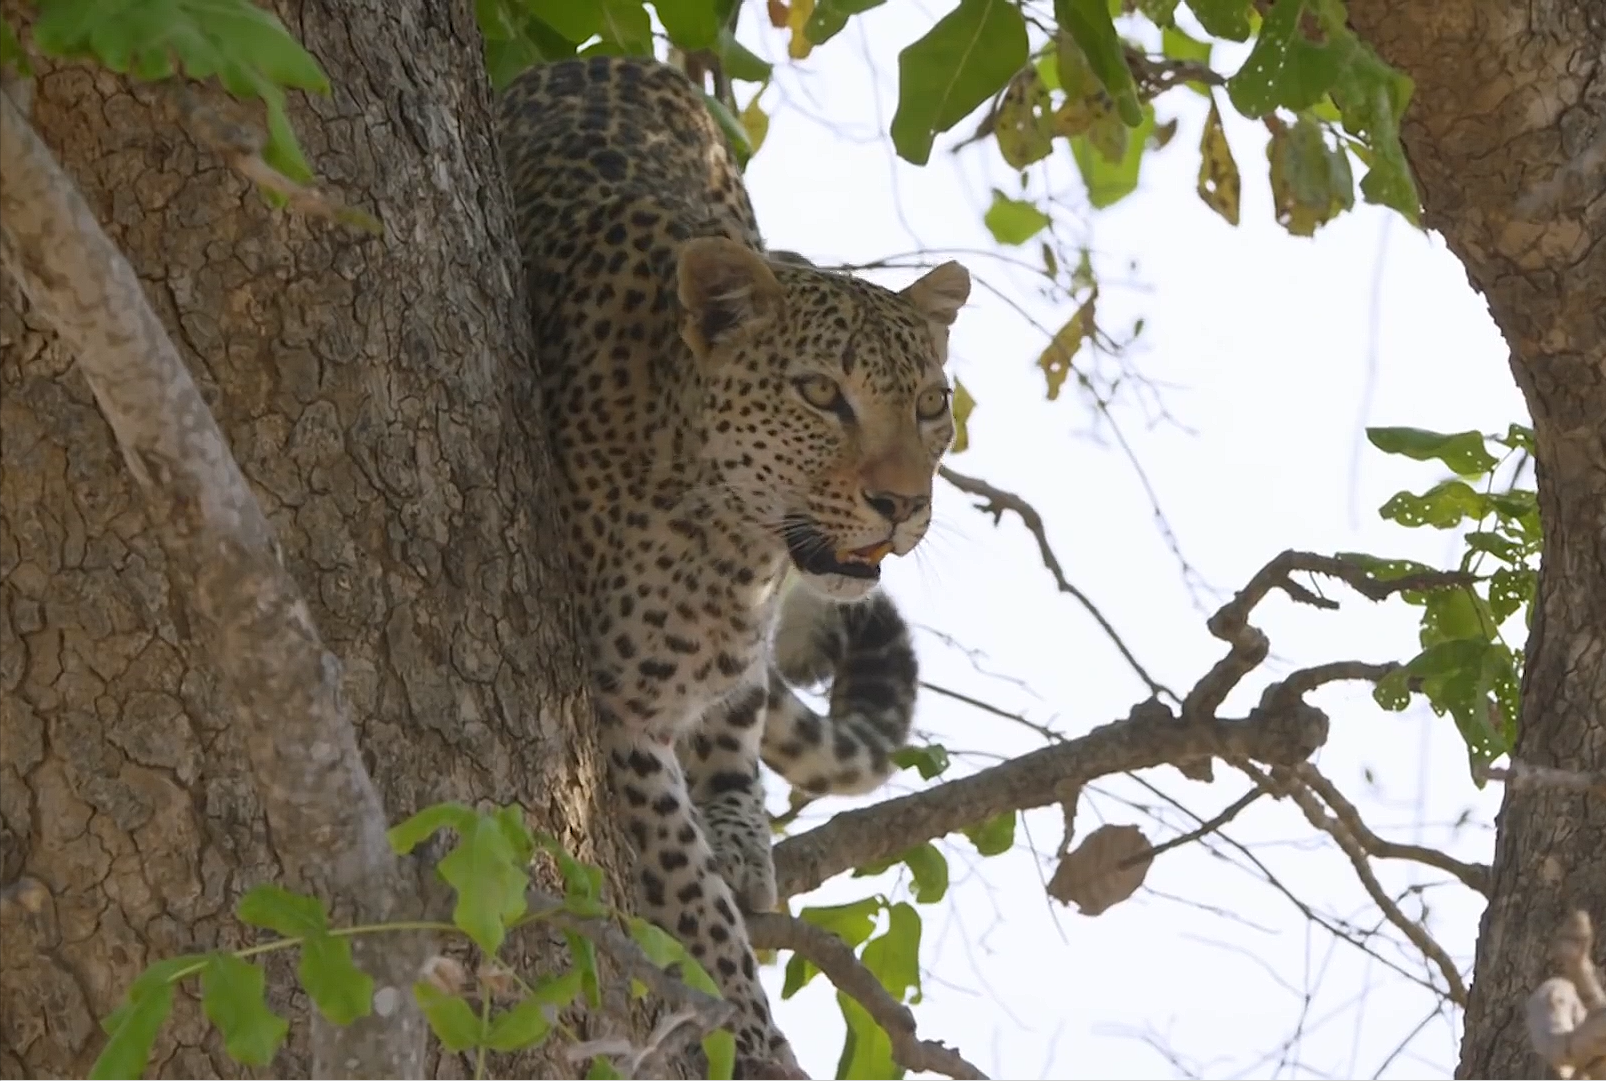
1524,774
1150,736
1474,875
1290,780
325,816
1567,1013
998,501
832,956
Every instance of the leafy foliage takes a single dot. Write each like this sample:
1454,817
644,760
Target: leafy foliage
1466,668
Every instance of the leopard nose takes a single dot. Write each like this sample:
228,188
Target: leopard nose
896,508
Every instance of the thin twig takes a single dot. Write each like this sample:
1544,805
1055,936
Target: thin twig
1474,875
1523,774
832,956
1290,781
999,501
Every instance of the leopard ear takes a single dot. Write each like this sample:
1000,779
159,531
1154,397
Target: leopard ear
726,289
941,293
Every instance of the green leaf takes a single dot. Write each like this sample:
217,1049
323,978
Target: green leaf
719,1047
731,125
930,870
691,24
233,994
582,884
519,838
576,20
407,835
1372,97
341,991
602,1068
1179,46
1223,18
798,973
1012,221
1112,177
1442,506
12,54
932,758
1285,68
1385,570
1393,691
583,953
128,1050
1464,452
157,974
994,836
626,25
852,923
664,949
490,885
1089,23
866,1050
293,915
894,956
452,1019
740,62
830,16
965,59
1455,613
963,406
525,1025
1517,437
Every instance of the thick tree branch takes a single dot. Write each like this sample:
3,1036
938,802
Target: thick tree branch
327,823
832,956
1150,736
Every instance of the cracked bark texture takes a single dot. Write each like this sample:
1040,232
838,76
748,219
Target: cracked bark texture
376,394
1507,135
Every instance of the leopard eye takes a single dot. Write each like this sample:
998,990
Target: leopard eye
932,403
822,393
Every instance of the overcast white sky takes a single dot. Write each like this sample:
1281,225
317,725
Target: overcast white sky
1267,345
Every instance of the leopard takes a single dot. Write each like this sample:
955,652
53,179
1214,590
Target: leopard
740,439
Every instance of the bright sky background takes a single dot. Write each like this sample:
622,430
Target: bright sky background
1274,352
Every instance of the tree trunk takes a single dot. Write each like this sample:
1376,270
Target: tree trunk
1507,135
377,394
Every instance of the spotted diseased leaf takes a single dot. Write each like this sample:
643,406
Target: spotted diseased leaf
1105,869
1013,221
1089,23
1024,124
963,406
1285,68
1372,97
1311,182
1223,18
1443,506
960,63
1219,182
1056,360
1510,588
1464,452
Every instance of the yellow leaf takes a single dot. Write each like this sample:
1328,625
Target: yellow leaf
756,122
796,18
964,405
1311,182
1219,182
1056,359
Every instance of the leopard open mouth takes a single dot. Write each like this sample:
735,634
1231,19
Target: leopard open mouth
813,553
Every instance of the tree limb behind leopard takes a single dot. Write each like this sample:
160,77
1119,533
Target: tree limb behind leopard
716,418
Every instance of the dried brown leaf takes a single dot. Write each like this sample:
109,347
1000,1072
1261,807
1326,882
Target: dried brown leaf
1104,870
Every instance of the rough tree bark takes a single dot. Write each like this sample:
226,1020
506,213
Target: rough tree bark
376,394
1507,135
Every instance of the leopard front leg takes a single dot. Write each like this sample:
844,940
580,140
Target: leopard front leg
721,758
682,891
